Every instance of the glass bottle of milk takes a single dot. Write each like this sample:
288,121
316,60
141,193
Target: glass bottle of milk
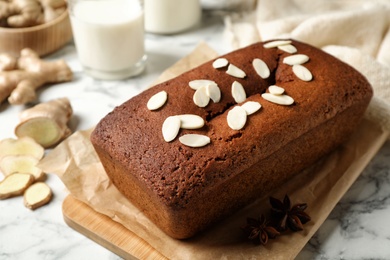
171,16
109,37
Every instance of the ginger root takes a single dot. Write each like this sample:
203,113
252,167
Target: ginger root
20,85
21,13
18,163
46,122
37,195
21,146
27,13
23,164
15,184
7,62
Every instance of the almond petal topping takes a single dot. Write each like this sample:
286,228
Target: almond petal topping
194,140
201,98
235,71
277,43
296,59
261,68
214,92
236,118
170,128
220,63
197,83
288,48
302,73
189,121
238,92
251,107
157,100
284,100
276,90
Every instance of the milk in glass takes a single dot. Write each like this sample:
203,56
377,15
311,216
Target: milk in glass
171,16
109,37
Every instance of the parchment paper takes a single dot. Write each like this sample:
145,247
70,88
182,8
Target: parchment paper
321,186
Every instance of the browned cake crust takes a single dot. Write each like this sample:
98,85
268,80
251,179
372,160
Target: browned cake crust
183,189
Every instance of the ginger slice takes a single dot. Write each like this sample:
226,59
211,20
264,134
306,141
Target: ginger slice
15,184
21,146
46,122
21,163
37,195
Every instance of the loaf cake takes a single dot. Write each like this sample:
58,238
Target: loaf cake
194,149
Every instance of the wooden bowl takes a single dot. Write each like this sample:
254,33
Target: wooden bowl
44,39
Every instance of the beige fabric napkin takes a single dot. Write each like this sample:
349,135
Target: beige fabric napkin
357,32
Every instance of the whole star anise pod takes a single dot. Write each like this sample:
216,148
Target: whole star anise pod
259,230
287,216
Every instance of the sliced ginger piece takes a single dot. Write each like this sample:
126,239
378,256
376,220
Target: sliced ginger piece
21,163
46,122
37,195
15,184
43,129
21,146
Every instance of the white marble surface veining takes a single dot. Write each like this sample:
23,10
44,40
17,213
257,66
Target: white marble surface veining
358,227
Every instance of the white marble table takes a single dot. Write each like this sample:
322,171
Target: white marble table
358,228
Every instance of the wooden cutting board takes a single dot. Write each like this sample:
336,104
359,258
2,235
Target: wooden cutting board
363,145
105,231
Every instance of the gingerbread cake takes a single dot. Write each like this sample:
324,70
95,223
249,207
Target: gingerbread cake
198,147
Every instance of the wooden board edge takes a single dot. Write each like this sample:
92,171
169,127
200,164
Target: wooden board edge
106,232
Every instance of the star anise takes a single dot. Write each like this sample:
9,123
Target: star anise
259,230
287,216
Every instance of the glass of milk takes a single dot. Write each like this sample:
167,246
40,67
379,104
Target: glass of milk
171,16
109,37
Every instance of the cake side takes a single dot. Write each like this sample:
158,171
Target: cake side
184,189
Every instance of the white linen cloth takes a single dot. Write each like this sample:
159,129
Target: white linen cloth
355,31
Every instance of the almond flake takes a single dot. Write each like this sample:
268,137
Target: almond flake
195,84
236,118
261,68
220,63
302,73
194,140
235,71
296,59
214,92
201,99
238,92
288,48
276,90
251,107
170,128
284,100
157,100
189,121
277,43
